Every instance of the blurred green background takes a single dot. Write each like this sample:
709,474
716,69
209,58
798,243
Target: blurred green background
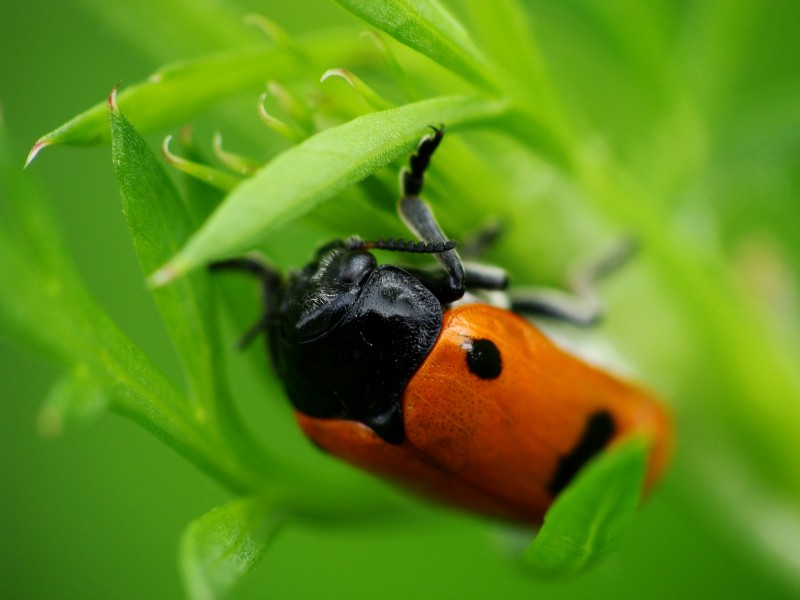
99,514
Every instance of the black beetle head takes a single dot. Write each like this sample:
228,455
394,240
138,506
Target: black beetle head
319,296
349,335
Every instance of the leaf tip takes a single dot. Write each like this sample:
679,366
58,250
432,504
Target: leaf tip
42,142
369,95
171,158
338,72
166,274
275,123
112,99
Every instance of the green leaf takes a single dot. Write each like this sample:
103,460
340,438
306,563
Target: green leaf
315,171
179,91
592,514
366,93
45,305
175,93
221,547
160,223
425,26
222,180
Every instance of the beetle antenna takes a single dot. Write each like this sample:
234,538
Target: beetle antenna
400,245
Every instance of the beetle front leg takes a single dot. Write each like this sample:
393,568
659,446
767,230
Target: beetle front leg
418,217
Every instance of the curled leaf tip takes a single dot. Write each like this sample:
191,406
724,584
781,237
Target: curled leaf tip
369,95
112,99
37,147
214,177
235,162
171,158
343,73
276,124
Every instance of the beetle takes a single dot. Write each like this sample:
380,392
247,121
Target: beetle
392,370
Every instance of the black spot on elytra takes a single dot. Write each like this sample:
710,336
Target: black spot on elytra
483,359
598,432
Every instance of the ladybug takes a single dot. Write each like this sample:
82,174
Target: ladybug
395,371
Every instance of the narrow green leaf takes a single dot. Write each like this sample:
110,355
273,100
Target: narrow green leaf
173,94
201,197
44,305
221,180
291,133
222,546
179,91
291,105
427,27
74,402
160,223
316,170
592,514
369,95
238,163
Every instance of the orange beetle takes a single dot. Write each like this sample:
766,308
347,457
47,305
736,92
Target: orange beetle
392,370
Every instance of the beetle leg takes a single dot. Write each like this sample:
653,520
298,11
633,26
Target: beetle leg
582,311
581,307
414,177
449,285
484,277
270,283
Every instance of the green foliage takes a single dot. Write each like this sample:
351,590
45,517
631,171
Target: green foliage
570,122
427,27
593,513
332,161
223,545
